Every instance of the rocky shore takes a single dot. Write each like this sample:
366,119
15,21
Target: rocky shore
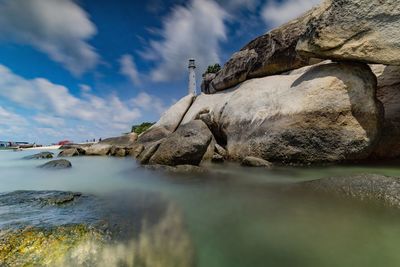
277,100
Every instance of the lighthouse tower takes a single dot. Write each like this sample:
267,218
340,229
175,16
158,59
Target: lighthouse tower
192,77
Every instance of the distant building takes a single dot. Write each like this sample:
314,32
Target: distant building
192,77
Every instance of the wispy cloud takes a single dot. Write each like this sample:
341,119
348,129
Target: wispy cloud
60,29
194,30
54,109
276,12
129,69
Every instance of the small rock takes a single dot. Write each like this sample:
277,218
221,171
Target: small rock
118,152
220,150
136,150
217,158
57,164
71,152
256,162
41,155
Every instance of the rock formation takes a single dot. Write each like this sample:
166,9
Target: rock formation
57,164
358,30
325,113
185,146
269,54
388,93
380,188
41,155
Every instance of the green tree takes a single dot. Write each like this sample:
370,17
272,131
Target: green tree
141,128
213,69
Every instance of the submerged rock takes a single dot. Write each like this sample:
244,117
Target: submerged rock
183,169
57,164
256,162
139,229
41,155
44,247
379,188
185,146
358,30
324,113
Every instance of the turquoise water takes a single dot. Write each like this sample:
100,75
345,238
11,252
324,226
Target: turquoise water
234,217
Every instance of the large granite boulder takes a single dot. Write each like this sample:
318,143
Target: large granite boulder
171,119
168,122
98,149
388,93
360,30
269,54
186,146
327,113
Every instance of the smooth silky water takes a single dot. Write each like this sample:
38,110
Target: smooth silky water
234,217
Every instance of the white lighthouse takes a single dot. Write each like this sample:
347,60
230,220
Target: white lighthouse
192,77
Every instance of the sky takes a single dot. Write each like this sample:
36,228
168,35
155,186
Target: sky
83,69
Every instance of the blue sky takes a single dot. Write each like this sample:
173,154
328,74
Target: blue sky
86,69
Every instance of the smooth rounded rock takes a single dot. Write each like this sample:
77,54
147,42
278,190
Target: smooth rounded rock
57,164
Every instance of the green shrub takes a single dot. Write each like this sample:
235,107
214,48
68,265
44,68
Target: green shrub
213,69
142,127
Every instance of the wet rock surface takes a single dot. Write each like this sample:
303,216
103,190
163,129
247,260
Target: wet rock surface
140,229
57,164
373,187
256,162
41,155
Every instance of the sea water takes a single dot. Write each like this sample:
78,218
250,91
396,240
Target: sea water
233,217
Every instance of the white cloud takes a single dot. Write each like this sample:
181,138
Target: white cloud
47,120
149,102
238,4
59,28
54,112
192,31
8,118
276,13
129,69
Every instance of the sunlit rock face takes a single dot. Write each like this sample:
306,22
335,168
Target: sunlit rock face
324,113
269,54
388,93
357,30
51,228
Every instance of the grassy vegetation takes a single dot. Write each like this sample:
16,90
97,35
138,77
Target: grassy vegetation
141,127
